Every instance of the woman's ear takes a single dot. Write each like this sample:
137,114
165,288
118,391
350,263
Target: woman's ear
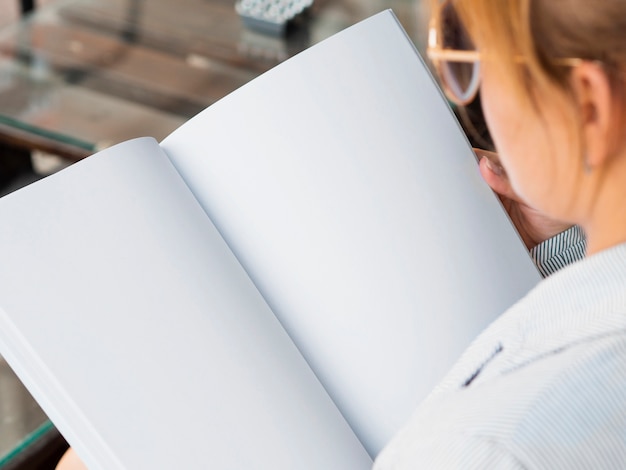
599,114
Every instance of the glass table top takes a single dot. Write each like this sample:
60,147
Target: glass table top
21,421
80,75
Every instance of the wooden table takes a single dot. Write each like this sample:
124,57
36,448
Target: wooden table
81,75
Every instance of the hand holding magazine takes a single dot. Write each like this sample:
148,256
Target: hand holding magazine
276,285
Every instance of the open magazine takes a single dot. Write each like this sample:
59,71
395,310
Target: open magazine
276,285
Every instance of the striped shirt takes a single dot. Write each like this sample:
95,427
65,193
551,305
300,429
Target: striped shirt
559,251
544,387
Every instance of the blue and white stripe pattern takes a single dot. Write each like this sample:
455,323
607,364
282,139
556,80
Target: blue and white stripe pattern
559,251
544,387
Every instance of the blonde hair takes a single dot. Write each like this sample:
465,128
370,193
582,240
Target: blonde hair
542,32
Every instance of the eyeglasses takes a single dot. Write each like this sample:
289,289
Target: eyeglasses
455,57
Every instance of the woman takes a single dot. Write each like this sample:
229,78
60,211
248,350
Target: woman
545,385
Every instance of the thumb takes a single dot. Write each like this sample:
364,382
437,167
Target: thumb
494,175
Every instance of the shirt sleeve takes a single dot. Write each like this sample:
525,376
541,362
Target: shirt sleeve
559,251
454,452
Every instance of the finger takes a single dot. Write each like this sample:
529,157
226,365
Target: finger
480,153
70,461
495,176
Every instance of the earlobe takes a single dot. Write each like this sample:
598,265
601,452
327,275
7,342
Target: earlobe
597,111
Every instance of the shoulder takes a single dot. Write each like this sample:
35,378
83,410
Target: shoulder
576,417
563,410
548,383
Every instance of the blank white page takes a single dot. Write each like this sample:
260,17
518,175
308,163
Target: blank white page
135,328
349,193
